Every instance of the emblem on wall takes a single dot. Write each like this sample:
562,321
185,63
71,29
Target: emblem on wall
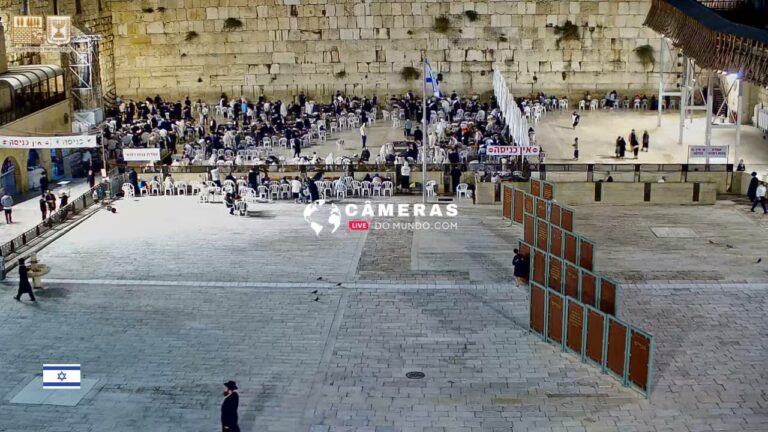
28,30
58,29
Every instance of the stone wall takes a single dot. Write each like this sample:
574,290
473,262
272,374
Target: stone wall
361,46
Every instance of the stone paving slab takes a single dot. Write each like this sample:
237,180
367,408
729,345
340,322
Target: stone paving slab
484,370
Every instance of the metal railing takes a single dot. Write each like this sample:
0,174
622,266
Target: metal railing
722,5
60,216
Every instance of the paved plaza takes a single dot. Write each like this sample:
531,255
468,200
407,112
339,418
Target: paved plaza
596,141
168,298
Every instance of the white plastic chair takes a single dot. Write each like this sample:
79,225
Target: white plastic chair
285,191
365,188
128,190
340,144
385,114
582,105
155,186
462,190
263,192
357,188
197,187
376,188
395,123
181,188
387,187
430,186
341,191
168,189
593,105
143,190
274,191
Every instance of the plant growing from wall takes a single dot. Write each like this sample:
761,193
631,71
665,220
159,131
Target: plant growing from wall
409,73
191,35
567,32
340,74
161,9
503,39
147,10
471,15
442,24
232,24
646,55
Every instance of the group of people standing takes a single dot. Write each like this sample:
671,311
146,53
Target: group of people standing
620,150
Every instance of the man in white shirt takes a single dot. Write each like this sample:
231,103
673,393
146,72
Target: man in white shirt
7,202
405,175
216,176
759,197
296,188
363,134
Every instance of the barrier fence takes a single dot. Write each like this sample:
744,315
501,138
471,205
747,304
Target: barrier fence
60,216
571,304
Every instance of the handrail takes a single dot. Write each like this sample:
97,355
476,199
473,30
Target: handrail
60,216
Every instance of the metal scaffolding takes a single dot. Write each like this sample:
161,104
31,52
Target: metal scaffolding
82,63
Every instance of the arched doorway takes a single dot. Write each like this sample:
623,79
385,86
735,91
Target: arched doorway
9,176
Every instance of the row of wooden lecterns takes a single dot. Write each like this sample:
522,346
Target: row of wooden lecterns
571,304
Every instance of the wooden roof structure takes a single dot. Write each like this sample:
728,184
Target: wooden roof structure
712,40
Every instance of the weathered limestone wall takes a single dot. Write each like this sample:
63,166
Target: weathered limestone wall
361,46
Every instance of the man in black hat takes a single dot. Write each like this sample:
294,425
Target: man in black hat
25,287
752,190
229,408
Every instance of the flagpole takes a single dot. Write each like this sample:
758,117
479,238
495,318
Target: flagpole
425,135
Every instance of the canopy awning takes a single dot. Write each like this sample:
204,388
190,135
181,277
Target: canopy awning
18,77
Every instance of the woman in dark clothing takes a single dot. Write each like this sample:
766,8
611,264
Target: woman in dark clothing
520,264
24,286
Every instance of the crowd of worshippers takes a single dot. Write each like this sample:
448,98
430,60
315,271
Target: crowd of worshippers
462,127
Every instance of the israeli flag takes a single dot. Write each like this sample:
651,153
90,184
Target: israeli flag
431,78
61,376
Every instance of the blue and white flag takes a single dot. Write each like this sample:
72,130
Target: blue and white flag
431,78
61,376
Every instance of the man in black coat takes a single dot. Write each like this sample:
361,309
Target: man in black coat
253,178
24,286
229,408
752,190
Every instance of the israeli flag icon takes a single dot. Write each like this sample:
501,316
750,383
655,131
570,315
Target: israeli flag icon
61,376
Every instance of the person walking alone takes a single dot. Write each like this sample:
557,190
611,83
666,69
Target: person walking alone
760,197
646,141
229,408
752,189
575,117
7,202
43,207
576,149
363,134
24,286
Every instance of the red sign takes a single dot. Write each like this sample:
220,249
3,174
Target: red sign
358,225
513,150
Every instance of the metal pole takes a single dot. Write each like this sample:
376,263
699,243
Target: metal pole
683,98
103,154
425,135
710,103
739,110
662,54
